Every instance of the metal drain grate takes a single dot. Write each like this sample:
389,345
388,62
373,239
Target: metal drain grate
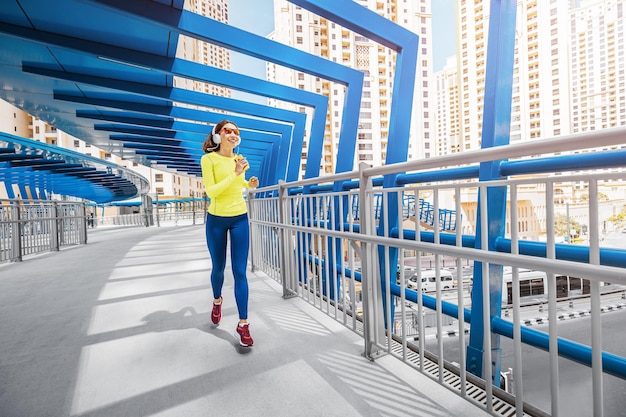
474,393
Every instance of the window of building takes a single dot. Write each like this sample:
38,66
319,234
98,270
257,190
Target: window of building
158,177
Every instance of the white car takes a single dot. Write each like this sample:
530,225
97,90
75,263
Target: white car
429,280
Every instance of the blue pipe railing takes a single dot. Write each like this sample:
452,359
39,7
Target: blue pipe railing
576,253
577,352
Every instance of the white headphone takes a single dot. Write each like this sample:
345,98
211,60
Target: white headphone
217,139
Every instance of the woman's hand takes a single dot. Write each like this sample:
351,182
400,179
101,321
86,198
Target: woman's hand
253,182
241,164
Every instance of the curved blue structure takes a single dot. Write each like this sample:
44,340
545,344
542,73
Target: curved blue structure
36,167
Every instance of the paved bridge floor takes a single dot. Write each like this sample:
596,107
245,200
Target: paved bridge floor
121,327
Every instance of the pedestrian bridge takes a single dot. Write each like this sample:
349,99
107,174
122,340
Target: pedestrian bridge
119,326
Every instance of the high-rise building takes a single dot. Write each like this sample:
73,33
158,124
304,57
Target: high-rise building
598,81
568,70
568,77
541,87
301,29
203,52
447,111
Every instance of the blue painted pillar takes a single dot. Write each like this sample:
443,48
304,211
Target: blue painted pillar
24,195
496,132
397,151
8,186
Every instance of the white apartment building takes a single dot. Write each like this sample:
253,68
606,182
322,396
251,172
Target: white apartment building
447,111
597,64
203,52
568,72
568,78
541,87
299,28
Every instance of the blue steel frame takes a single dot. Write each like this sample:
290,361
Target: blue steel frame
496,132
177,95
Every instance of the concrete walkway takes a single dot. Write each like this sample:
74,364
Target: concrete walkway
121,327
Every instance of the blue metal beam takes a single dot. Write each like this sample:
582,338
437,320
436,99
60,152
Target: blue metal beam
495,132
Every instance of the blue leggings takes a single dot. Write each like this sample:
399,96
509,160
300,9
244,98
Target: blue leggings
217,229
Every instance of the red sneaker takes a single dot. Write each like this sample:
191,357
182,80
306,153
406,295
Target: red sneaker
216,314
244,333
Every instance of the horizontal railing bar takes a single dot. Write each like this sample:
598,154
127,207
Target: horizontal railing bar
566,252
600,138
463,173
580,270
595,160
612,364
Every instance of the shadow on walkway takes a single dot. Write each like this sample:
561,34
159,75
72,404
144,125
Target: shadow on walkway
121,327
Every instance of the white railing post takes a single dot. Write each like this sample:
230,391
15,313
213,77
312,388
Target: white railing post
251,206
289,289
16,232
596,303
370,284
55,238
552,306
486,310
82,226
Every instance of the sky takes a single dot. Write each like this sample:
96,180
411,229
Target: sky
258,17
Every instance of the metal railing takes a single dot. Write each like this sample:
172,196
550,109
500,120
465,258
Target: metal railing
29,227
354,267
154,219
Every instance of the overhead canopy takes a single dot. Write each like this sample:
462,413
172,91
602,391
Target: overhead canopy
33,165
104,70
